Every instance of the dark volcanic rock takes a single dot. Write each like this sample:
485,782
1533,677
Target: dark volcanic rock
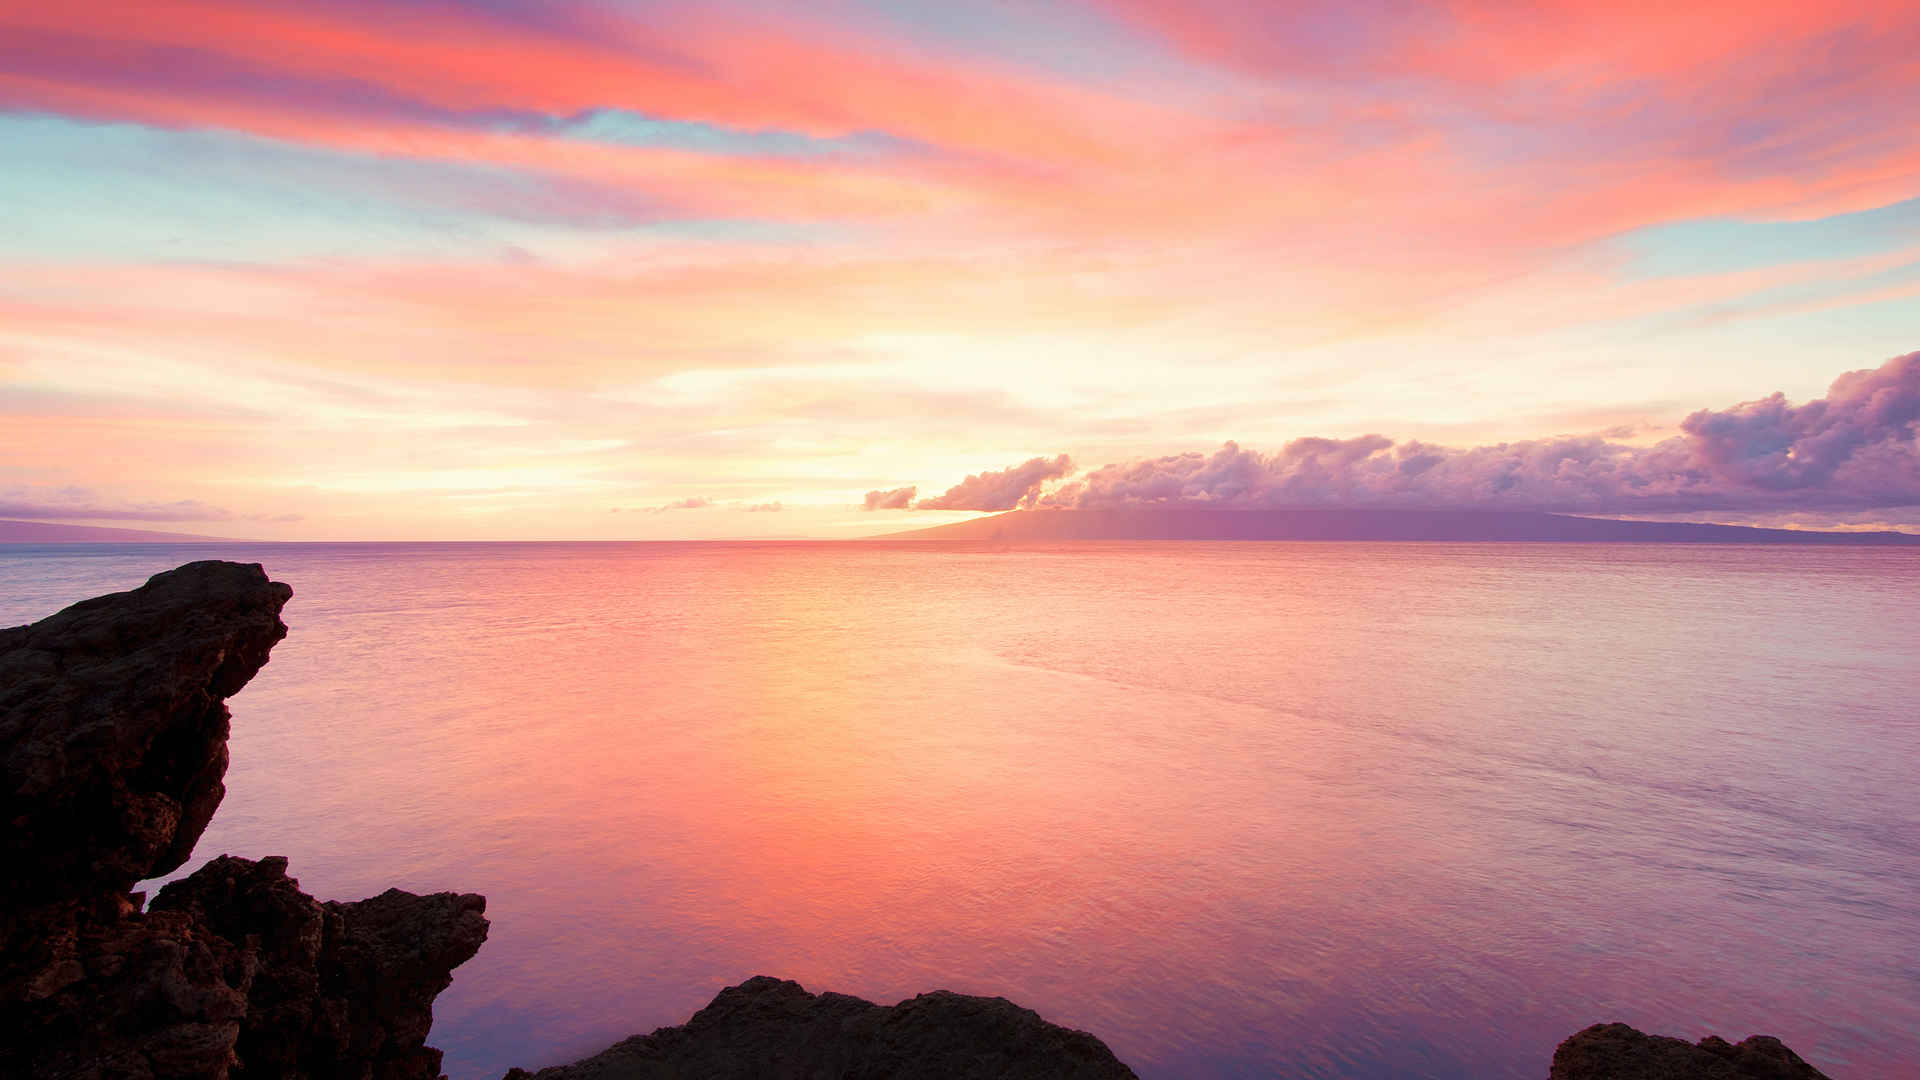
113,729
337,990
769,1029
1618,1052
113,742
146,997
234,972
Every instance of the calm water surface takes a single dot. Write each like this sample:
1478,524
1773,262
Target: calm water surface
1327,810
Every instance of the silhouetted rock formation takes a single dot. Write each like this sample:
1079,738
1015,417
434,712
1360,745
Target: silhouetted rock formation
770,1029
332,982
113,726
1618,1052
113,742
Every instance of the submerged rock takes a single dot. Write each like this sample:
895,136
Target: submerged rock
1618,1052
773,1029
113,744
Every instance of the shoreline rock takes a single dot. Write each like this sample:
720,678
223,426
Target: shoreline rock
332,982
771,1028
113,727
113,748
1619,1052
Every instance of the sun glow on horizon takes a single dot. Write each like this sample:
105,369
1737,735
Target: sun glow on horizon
574,269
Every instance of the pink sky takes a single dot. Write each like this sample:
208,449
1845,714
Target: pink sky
340,269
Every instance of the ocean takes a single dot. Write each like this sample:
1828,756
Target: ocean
1316,810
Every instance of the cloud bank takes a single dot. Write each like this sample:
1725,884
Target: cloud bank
897,499
1856,448
1018,486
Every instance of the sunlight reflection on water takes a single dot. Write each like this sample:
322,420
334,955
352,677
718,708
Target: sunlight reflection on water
1319,809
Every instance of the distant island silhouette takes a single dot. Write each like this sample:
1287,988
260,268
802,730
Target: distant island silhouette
48,532
1020,526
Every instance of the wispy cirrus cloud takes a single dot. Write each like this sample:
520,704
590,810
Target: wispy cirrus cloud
692,502
1604,102
42,503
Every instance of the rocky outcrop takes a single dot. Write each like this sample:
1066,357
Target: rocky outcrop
1618,1052
113,727
331,983
769,1029
113,730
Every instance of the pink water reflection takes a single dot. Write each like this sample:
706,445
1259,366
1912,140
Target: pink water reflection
1344,810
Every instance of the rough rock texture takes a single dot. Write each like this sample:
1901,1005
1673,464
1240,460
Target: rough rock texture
113,729
1618,1052
113,726
772,1029
332,983
145,997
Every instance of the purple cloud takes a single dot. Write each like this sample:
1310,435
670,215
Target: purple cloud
1003,490
1855,448
897,499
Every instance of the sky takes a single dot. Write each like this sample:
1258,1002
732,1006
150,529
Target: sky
422,269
